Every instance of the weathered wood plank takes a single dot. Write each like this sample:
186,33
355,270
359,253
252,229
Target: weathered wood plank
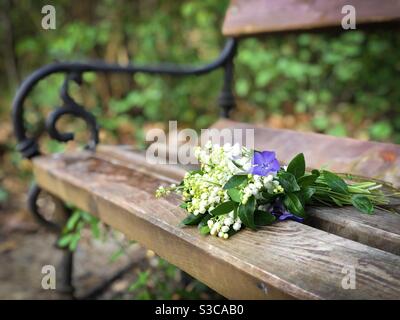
249,17
286,260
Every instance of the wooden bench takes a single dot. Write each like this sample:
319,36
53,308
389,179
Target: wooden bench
284,261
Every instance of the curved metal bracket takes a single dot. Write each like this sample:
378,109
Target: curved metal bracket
29,148
72,108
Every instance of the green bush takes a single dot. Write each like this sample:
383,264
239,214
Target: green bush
329,77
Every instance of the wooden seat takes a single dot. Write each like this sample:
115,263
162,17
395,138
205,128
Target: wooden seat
285,260
250,17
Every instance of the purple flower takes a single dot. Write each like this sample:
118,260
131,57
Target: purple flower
280,212
264,163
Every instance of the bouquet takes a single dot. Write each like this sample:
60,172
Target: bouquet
236,187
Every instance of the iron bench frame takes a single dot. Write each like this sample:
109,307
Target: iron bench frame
29,147
73,71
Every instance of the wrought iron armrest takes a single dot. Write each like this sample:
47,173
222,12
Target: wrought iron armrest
29,148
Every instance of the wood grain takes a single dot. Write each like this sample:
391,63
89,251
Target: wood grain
249,17
286,260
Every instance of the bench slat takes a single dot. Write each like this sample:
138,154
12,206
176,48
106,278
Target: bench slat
381,230
286,260
249,17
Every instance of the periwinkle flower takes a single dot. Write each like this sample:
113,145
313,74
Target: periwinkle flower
281,213
264,163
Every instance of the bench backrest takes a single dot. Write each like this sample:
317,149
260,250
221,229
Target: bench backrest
249,17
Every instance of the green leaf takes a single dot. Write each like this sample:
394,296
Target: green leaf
315,172
80,225
268,197
294,205
204,230
94,226
234,194
231,232
308,180
237,165
246,213
288,181
87,216
235,212
297,166
381,130
203,221
3,195
183,205
336,183
263,218
117,254
73,220
192,220
362,203
74,241
65,240
305,194
223,208
235,181
336,201
140,282
193,172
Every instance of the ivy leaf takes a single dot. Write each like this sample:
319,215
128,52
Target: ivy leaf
336,183
294,205
223,208
263,218
234,194
297,166
288,182
235,181
191,220
362,203
246,213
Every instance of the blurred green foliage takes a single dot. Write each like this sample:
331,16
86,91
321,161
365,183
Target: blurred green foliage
168,284
72,231
344,83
